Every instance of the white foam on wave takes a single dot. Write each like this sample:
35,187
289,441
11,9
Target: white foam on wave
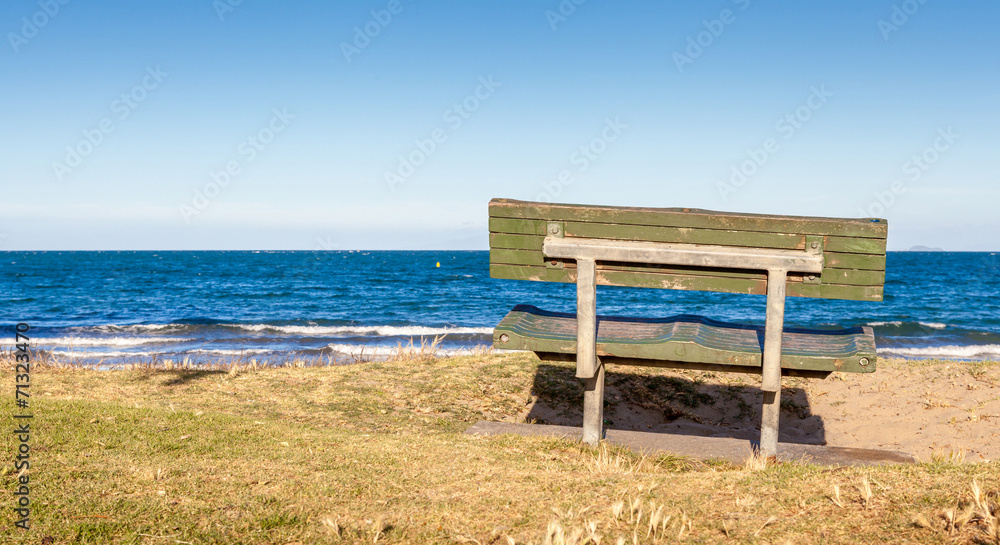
224,352
118,354
95,341
80,354
135,328
385,350
379,331
953,351
897,323
933,325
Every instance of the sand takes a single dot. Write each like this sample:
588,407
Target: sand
926,409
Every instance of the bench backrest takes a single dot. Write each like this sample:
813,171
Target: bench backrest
853,249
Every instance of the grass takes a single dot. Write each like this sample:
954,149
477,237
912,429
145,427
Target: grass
373,452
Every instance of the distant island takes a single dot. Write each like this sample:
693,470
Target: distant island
925,249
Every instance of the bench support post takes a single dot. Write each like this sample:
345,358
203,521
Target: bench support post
593,407
586,318
587,366
771,372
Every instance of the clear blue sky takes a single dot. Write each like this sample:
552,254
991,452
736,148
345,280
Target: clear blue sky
119,117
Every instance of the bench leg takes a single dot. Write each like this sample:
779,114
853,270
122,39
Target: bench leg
771,364
586,318
593,407
769,424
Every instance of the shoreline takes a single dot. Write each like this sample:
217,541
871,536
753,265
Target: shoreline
341,354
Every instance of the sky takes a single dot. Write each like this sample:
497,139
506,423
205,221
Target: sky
390,124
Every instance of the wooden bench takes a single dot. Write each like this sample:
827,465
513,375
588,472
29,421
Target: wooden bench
686,249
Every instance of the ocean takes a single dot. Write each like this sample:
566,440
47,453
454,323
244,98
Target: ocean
274,305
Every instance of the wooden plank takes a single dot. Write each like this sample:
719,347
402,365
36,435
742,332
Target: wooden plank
856,245
686,282
852,277
517,257
516,226
828,276
833,260
689,339
746,239
516,242
654,234
535,259
690,218
842,245
836,291
865,262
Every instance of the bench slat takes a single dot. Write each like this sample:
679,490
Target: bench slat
828,276
610,277
834,260
689,338
691,218
655,234
853,278
861,262
749,239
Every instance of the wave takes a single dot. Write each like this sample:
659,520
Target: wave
303,330
380,331
136,328
898,323
91,355
953,351
383,350
933,325
206,351
96,341
224,352
173,355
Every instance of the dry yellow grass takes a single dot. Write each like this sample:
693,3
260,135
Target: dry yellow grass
373,452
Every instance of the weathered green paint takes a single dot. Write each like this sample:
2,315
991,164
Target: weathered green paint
689,339
690,218
517,226
501,227
535,259
874,246
608,277
853,278
516,242
854,255
835,291
834,260
865,262
747,239
504,256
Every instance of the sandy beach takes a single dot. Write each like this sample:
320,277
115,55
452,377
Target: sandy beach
924,408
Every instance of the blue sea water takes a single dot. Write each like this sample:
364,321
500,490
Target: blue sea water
129,306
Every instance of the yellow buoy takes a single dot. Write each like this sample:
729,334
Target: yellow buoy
438,264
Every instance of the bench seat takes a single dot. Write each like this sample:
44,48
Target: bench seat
688,339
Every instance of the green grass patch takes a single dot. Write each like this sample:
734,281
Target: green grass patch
374,452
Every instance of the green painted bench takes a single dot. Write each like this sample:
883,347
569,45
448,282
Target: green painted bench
686,249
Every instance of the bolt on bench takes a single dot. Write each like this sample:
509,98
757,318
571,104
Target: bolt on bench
686,249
